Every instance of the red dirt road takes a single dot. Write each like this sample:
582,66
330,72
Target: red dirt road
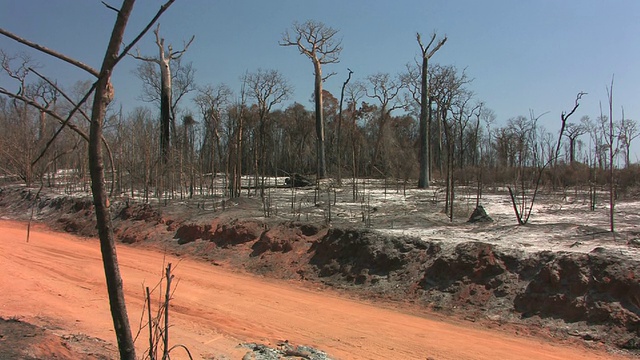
58,279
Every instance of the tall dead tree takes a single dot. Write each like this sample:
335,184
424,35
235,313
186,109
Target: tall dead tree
563,124
610,133
344,85
425,107
318,42
164,59
103,95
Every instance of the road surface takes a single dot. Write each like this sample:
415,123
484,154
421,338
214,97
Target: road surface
58,279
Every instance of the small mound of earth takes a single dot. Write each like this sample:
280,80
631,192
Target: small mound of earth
479,214
284,350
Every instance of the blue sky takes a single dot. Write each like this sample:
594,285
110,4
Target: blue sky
521,54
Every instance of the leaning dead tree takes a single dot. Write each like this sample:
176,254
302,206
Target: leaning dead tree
563,125
164,59
103,95
319,43
425,107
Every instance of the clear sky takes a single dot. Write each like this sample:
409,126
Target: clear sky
522,55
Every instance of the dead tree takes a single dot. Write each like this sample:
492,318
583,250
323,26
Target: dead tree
104,94
610,135
425,113
164,59
627,132
384,89
523,212
344,85
563,118
211,102
573,131
317,41
268,88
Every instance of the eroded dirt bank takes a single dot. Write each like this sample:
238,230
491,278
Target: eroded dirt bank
594,297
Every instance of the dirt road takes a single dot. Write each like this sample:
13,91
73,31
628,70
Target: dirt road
58,279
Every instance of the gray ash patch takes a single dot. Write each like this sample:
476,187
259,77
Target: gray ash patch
283,350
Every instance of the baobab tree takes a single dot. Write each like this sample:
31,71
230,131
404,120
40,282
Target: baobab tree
319,43
572,132
164,59
425,107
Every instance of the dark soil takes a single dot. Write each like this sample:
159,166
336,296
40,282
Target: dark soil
23,341
594,297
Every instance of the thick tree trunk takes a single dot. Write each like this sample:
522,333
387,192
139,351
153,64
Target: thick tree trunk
425,112
572,150
104,95
165,110
322,162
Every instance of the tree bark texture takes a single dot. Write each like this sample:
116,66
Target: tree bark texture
322,162
103,96
165,107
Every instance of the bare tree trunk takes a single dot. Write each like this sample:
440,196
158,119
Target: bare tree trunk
425,113
238,156
165,111
103,96
425,110
612,200
322,162
344,85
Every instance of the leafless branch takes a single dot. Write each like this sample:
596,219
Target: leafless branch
61,93
110,7
433,51
138,56
564,115
104,141
128,48
47,111
322,46
170,55
329,75
425,50
48,51
177,54
563,118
